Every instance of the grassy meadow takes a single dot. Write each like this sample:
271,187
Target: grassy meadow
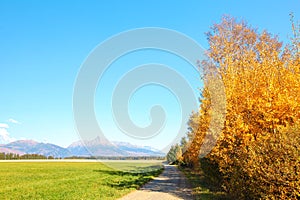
73,180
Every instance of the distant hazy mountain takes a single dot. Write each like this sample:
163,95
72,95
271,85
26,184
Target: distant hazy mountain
8,150
33,147
78,149
100,147
136,150
96,147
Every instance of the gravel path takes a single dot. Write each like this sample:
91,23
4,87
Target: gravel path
170,185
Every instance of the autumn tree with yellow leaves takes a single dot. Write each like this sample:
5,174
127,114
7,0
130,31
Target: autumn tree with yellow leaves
258,151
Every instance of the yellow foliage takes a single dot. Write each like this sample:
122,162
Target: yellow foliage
262,86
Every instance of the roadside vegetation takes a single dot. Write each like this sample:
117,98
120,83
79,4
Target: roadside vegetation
257,155
204,188
72,180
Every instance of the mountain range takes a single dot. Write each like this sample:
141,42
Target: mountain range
95,147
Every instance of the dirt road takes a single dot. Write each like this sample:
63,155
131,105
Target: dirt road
170,185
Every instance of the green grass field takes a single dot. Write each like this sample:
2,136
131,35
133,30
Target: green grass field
71,180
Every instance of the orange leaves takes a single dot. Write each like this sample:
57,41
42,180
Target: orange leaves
258,150
262,86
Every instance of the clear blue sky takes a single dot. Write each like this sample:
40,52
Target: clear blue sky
44,43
